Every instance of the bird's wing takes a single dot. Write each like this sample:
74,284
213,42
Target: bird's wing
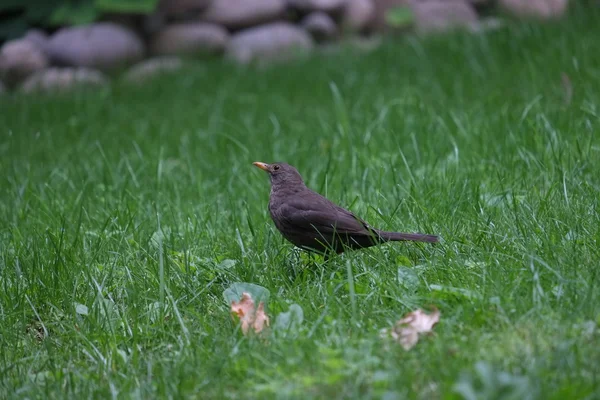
322,215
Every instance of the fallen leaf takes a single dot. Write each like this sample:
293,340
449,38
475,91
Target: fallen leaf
234,292
406,331
81,309
260,318
290,321
249,316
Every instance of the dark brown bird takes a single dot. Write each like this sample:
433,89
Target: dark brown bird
313,223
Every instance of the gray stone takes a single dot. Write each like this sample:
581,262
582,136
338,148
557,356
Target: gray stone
443,15
243,13
543,9
103,45
320,26
271,42
20,58
172,11
152,67
189,38
358,15
61,79
37,37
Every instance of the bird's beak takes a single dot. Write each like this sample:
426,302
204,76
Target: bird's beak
262,165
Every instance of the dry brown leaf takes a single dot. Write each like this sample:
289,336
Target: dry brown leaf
260,318
250,317
406,331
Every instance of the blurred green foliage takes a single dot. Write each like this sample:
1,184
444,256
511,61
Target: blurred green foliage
17,16
400,17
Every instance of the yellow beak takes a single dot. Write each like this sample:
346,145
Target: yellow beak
262,165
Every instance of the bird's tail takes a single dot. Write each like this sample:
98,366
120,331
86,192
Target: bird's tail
413,237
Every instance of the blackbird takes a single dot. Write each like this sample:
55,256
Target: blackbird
315,224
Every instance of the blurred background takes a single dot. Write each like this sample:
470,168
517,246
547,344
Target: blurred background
56,44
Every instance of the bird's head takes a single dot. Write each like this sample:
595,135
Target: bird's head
281,173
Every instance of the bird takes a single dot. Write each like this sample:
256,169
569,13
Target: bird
315,224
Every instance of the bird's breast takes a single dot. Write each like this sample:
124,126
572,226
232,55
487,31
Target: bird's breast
274,206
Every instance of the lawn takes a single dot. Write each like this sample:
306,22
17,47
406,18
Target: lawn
125,213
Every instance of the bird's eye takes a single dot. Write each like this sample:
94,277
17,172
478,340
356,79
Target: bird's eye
275,167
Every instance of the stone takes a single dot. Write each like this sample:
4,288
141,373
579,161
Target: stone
152,67
37,37
102,45
189,38
270,42
357,15
328,6
320,26
61,79
542,9
20,58
443,15
235,14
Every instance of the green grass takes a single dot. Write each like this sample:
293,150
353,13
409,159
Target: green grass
126,212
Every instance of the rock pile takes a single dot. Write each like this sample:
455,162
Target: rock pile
246,31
